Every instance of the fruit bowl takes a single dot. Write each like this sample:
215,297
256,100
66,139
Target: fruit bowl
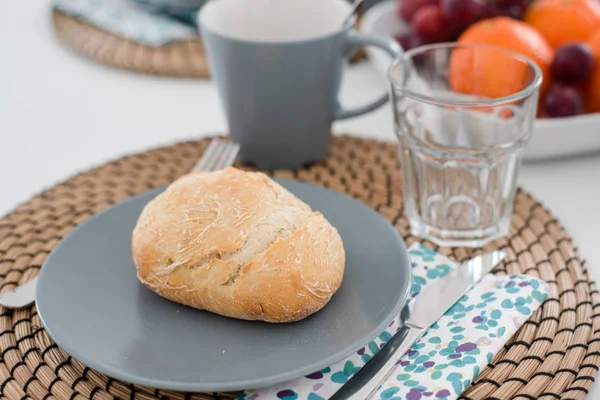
551,138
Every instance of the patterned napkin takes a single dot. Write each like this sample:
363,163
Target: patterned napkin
149,22
452,352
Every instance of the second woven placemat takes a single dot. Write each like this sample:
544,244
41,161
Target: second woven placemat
183,58
555,355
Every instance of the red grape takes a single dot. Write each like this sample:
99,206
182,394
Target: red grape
429,23
463,12
410,40
518,3
515,8
505,8
572,62
408,8
516,12
405,40
492,10
562,101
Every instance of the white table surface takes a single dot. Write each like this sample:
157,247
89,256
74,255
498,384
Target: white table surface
61,114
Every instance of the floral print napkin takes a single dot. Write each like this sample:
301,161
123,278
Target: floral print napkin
452,352
131,20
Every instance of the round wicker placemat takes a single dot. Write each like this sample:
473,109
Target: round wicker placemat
556,354
182,58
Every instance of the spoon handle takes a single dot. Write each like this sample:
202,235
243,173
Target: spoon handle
355,6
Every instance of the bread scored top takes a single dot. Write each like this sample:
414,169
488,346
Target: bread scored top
238,244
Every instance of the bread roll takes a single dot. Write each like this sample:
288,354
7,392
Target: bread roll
238,244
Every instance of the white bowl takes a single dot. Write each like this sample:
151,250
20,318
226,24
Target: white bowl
551,138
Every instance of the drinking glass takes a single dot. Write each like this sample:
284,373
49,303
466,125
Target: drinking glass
463,114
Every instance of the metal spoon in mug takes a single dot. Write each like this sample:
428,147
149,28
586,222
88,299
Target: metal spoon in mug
355,6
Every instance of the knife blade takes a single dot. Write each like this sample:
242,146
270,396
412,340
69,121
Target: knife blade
416,317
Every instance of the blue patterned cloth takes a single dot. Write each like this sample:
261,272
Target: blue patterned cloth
151,22
444,362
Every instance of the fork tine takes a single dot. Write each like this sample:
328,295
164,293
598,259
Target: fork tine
206,156
218,154
213,155
229,155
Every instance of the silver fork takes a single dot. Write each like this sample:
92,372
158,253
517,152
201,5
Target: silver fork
218,155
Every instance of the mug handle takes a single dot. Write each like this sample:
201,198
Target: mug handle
353,40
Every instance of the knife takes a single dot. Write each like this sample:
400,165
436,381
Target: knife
416,317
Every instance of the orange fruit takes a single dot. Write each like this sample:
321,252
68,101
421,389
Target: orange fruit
562,21
493,73
592,88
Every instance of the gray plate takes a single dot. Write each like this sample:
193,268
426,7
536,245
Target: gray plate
93,306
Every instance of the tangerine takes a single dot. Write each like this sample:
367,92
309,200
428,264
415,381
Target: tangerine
562,21
492,73
592,88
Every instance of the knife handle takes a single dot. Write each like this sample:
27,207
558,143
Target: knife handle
367,380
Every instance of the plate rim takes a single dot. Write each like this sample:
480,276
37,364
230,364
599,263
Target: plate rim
254,383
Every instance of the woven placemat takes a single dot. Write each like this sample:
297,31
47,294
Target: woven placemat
182,58
556,354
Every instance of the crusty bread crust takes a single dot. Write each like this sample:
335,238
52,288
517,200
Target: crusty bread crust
238,244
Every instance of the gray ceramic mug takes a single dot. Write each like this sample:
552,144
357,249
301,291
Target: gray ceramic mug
278,66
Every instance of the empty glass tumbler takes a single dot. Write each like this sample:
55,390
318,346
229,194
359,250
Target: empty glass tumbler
463,114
